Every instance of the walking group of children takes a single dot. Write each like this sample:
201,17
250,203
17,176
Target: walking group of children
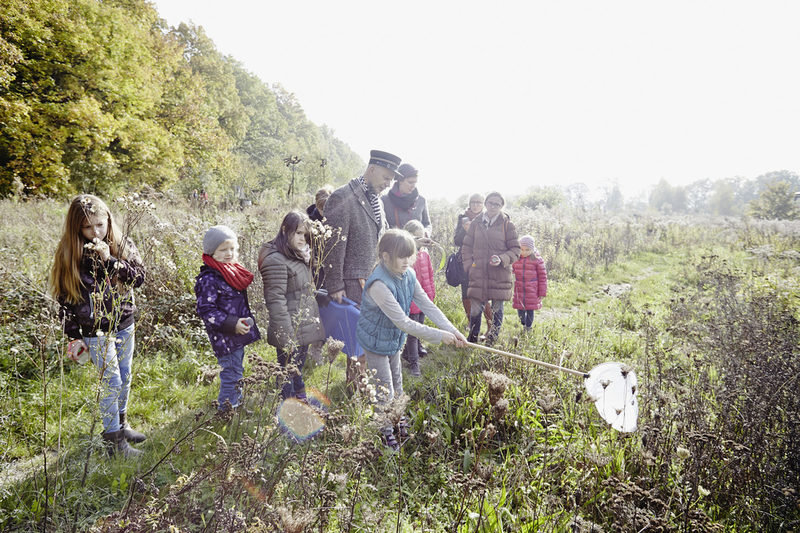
96,269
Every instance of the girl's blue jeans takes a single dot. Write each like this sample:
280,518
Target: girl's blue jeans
232,371
292,386
526,317
113,356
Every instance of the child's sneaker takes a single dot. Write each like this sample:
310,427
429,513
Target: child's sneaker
389,440
403,425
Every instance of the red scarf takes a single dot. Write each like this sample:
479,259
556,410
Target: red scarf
235,274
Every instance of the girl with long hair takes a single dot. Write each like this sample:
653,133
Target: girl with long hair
285,264
95,270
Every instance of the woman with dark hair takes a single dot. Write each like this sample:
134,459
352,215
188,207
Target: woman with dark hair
403,201
490,247
285,266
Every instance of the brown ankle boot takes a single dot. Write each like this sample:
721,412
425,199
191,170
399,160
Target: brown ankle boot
131,435
116,444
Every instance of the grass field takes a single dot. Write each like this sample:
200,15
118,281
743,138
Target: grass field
705,310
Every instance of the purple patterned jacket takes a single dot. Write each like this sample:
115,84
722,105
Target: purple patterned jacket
221,306
107,302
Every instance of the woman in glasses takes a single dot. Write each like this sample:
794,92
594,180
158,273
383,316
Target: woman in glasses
489,248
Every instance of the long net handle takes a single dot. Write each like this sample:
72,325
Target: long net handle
529,360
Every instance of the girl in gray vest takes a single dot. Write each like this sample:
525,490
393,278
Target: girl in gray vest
384,322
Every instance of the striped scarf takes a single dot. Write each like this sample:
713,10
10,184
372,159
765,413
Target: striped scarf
373,199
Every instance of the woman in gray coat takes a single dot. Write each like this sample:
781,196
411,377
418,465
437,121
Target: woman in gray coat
285,266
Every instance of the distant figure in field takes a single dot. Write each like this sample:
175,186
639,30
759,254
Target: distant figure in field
530,284
356,214
316,210
95,271
474,209
403,201
490,247
316,213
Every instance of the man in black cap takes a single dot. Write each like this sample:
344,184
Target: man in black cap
356,215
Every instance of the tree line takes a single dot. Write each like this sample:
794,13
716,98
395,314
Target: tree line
103,96
773,195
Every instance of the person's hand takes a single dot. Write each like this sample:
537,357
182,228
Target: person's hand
461,340
495,260
101,248
466,224
449,338
337,296
75,349
243,326
423,241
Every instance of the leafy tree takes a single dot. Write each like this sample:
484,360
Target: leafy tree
722,200
776,202
614,200
542,196
668,199
100,95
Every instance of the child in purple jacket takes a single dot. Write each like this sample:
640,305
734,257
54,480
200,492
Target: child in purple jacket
221,290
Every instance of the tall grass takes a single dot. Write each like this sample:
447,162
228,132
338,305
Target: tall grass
704,309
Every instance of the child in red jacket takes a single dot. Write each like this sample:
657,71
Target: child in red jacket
531,281
424,271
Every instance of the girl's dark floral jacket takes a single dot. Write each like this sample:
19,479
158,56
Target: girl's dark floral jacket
221,306
107,303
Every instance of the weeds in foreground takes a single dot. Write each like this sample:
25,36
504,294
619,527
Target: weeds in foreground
713,340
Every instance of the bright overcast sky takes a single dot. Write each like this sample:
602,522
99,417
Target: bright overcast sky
510,94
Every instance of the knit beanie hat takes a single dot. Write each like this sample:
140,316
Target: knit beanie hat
407,171
527,240
215,236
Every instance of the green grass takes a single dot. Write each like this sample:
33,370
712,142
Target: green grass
548,463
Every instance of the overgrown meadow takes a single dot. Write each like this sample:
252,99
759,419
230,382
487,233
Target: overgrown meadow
705,311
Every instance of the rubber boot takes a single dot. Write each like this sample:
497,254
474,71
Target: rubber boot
403,425
389,439
130,434
117,445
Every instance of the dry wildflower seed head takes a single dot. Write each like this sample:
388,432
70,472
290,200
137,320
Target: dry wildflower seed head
488,432
683,453
497,385
484,471
294,522
547,404
432,435
332,348
500,409
605,382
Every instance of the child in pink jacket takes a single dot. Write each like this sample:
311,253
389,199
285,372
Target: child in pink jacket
530,284
423,268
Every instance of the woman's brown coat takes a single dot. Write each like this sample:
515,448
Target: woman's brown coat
487,282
